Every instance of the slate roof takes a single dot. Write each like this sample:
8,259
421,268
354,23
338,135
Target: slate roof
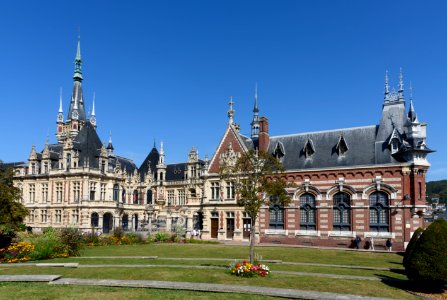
150,161
175,172
361,141
77,93
89,145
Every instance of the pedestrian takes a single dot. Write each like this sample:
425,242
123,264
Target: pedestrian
357,242
371,243
389,245
194,233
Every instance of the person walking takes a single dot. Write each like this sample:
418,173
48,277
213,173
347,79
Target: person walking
389,245
357,242
371,243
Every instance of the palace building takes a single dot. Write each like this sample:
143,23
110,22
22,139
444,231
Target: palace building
364,181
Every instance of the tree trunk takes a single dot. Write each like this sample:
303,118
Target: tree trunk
252,240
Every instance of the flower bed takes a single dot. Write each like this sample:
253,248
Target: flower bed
249,270
16,252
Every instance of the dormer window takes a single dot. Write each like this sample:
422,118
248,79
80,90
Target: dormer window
342,146
308,149
395,141
394,146
279,151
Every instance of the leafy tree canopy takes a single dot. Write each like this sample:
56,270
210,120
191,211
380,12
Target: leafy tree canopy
256,176
12,211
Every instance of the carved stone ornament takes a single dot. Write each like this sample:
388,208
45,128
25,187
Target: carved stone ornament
229,158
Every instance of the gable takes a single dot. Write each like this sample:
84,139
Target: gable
230,137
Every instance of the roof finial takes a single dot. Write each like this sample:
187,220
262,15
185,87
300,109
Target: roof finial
401,85
412,113
60,100
230,111
387,84
78,62
155,146
93,107
110,136
255,108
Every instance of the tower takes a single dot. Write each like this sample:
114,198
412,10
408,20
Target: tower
255,121
76,117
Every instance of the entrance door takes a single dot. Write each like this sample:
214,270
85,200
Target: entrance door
214,227
125,222
107,223
230,228
247,228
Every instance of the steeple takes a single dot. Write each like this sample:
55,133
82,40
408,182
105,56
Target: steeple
231,112
77,95
255,121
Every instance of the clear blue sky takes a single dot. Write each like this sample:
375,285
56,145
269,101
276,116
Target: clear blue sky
166,69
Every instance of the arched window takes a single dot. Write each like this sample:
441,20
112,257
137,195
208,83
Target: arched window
94,220
307,212
276,214
135,197
342,212
116,192
379,212
123,195
149,197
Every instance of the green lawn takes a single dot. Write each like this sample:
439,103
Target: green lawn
163,272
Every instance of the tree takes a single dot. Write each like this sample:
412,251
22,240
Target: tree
12,211
256,178
411,245
427,263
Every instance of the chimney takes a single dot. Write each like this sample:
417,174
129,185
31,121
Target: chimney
263,134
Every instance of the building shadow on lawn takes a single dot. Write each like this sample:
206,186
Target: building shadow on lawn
408,285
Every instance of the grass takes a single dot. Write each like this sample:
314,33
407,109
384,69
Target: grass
35,291
162,272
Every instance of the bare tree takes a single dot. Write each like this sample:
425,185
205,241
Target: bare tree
256,176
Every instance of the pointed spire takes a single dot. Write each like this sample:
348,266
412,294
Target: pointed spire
255,121
412,116
401,85
162,151
230,111
401,81
60,102
255,108
155,146
93,108
110,147
387,84
78,62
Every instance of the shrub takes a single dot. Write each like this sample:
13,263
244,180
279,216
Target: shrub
46,245
90,238
118,232
411,245
7,233
162,236
427,263
180,233
71,240
134,238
